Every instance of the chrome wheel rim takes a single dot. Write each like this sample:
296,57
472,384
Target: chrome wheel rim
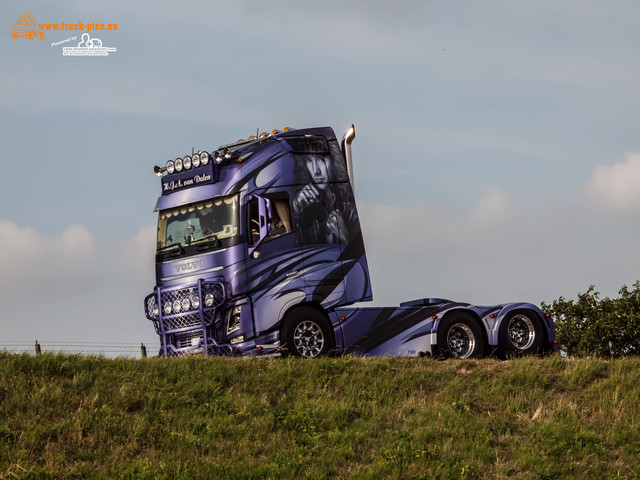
461,340
521,332
308,339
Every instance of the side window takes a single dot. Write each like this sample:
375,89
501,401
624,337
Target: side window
280,215
254,222
280,223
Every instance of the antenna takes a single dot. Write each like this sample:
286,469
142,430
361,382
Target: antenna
192,150
257,132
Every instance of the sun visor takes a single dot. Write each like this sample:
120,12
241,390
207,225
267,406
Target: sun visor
183,197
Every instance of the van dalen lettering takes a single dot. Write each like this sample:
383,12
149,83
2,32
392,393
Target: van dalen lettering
172,185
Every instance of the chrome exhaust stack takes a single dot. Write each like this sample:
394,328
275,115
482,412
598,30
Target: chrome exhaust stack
346,149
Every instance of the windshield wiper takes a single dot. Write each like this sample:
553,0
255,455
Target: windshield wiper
211,236
177,244
213,241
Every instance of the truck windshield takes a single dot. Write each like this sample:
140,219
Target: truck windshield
198,222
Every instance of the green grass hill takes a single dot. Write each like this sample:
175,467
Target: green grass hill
65,416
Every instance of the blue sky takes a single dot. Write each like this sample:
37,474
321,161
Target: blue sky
494,159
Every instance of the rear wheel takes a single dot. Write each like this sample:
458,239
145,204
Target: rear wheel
306,332
521,333
460,336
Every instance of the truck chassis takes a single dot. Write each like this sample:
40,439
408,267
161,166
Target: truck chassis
260,252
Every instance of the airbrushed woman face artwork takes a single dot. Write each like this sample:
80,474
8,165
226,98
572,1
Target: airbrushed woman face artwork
317,166
320,207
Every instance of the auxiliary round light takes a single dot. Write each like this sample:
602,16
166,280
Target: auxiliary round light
204,158
167,308
153,307
170,166
186,304
195,160
178,164
218,157
177,306
186,162
208,299
195,302
227,153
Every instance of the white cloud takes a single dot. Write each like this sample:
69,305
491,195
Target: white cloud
135,256
496,251
493,209
72,288
28,259
617,187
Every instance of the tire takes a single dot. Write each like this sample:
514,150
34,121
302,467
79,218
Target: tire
460,336
307,333
521,333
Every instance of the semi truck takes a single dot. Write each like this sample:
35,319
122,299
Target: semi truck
260,252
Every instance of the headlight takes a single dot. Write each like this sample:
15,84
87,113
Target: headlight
186,162
196,160
177,306
195,302
204,158
178,164
167,308
185,304
233,324
154,310
170,166
208,299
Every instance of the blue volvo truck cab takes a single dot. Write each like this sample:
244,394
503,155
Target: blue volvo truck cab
260,251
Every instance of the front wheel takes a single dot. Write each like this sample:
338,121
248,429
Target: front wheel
521,333
307,333
459,336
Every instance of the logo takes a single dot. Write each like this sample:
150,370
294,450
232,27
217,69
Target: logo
88,47
26,27
189,266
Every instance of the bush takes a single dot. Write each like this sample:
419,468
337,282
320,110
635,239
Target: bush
608,327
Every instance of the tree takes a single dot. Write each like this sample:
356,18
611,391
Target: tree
608,327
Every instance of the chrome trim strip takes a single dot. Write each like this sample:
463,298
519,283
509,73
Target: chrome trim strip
193,256
190,274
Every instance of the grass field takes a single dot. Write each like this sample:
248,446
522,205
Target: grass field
67,416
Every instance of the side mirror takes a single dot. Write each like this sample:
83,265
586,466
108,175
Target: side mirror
264,222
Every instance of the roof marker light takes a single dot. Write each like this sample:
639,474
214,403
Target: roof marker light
263,134
274,131
286,129
170,166
240,140
252,137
